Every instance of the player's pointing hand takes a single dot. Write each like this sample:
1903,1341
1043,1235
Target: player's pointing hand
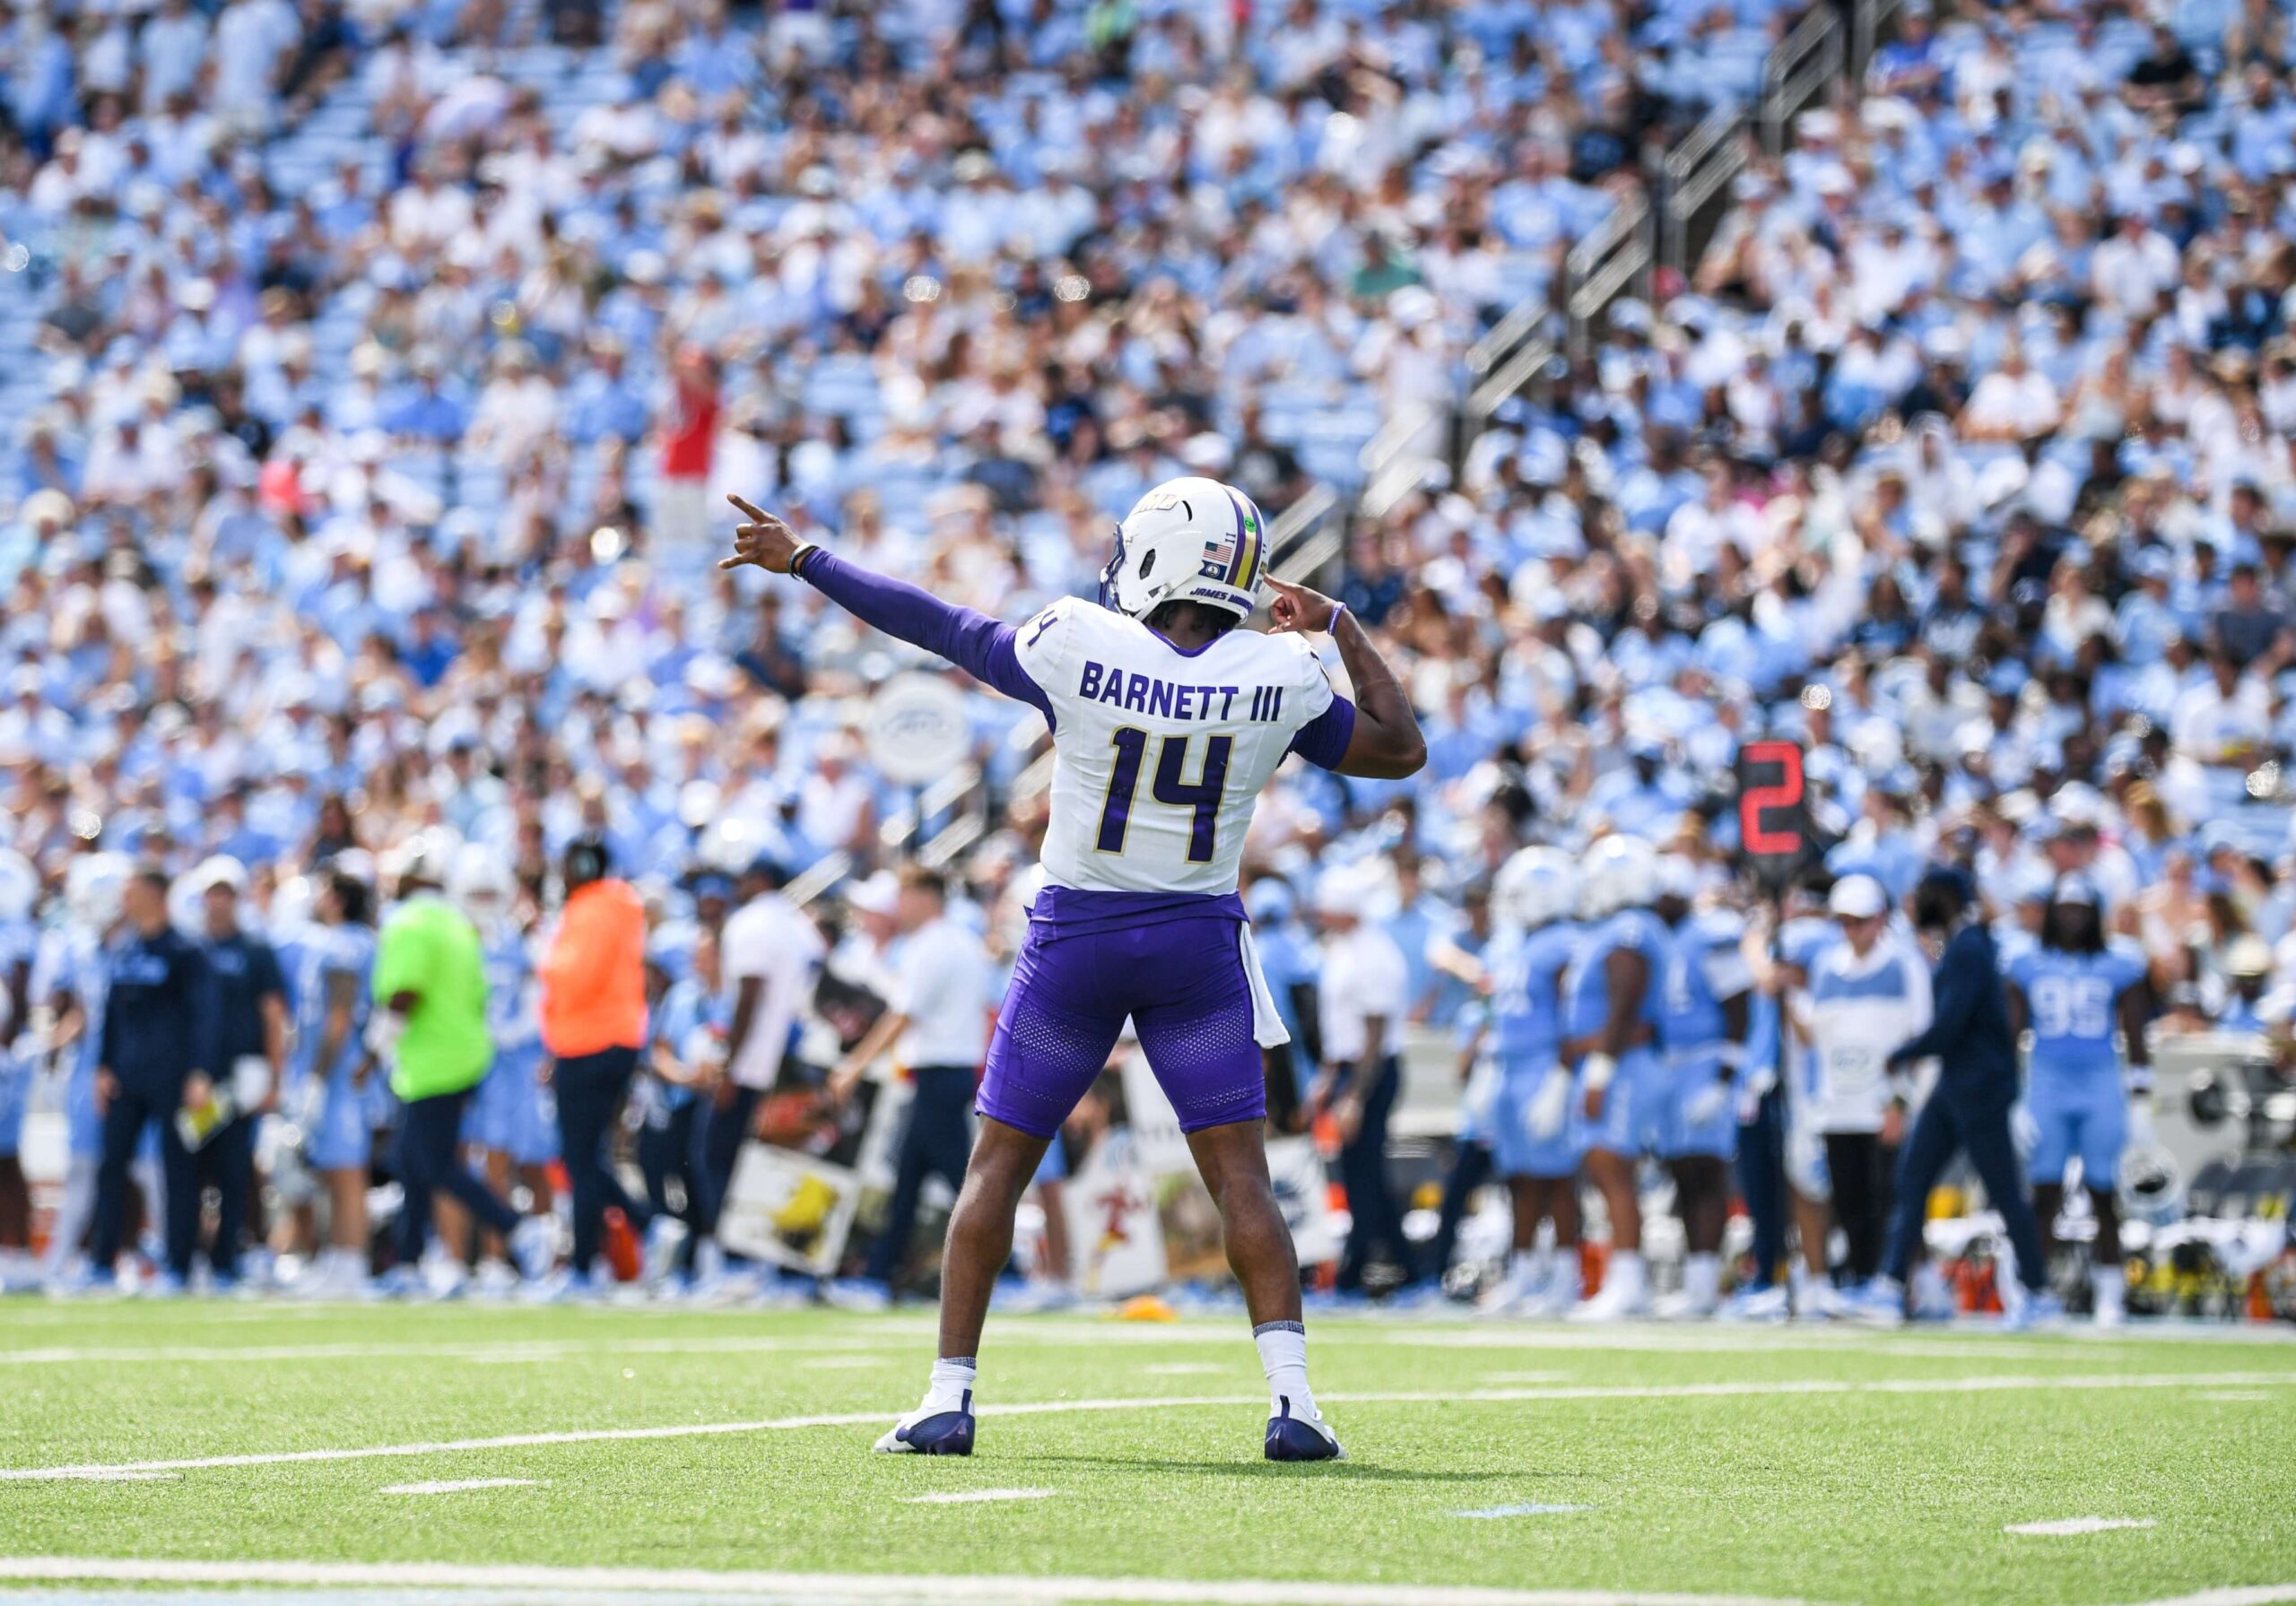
762,539
1297,608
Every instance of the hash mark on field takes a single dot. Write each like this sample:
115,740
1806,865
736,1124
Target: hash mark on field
974,1496
1527,1508
456,1486
2066,1527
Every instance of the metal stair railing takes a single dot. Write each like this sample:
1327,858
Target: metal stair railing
1806,61
1696,169
1867,20
1603,265
1394,461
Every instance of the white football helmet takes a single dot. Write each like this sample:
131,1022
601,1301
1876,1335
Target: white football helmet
1188,540
95,889
19,886
1621,872
1535,888
481,879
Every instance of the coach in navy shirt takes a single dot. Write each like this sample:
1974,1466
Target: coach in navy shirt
250,1032
159,1034
1969,1037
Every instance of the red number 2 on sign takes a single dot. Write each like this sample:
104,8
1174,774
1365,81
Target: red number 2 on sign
1785,792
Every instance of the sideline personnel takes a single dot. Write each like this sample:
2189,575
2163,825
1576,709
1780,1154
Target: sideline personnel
159,1042
594,1024
936,1024
429,1025
250,1052
1977,1084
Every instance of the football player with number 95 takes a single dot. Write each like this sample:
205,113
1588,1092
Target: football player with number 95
1167,720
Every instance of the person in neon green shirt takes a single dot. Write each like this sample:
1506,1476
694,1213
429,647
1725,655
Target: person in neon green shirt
429,1027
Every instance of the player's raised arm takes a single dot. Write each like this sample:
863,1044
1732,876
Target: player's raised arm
1387,743
971,640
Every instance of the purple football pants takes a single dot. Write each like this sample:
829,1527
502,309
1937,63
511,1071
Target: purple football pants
1183,984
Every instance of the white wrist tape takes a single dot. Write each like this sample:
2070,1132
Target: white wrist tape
1599,1070
1733,1057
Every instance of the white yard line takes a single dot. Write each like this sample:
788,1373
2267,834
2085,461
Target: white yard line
1526,1508
2069,1527
899,1333
1686,1391
858,1587
2236,1594
979,1497
512,1352
456,1486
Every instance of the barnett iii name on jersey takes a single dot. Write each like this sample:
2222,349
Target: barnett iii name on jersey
1161,754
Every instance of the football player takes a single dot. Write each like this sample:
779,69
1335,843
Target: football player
2075,991
328,1076
1532,1142
1167,719
510,1119
1706,1006
1611,1014
71,979
19,939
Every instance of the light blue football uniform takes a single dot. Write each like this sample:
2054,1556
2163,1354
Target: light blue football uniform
512,1113
340,1118
1704,970
2073,1081
19,942
1798,942
1634,1107
1527,970
72,959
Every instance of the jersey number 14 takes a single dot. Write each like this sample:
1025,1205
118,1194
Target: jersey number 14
1170,787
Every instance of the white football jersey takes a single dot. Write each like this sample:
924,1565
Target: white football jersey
1160,754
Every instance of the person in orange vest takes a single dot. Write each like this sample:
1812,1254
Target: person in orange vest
593,1025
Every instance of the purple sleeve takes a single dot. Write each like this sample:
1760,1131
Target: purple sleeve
1323,740
972,641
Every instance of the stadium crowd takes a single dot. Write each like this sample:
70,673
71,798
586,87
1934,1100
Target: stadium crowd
377,370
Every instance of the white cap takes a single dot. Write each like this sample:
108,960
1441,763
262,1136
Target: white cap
876,896
1858,898
221,870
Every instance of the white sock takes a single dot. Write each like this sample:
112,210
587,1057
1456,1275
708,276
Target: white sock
1283,1357
950,1386
1626,1275
2111,1286
1523,1266
1562,1268
1702,1278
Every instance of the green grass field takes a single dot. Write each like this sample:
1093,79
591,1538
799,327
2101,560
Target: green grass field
1708,1463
